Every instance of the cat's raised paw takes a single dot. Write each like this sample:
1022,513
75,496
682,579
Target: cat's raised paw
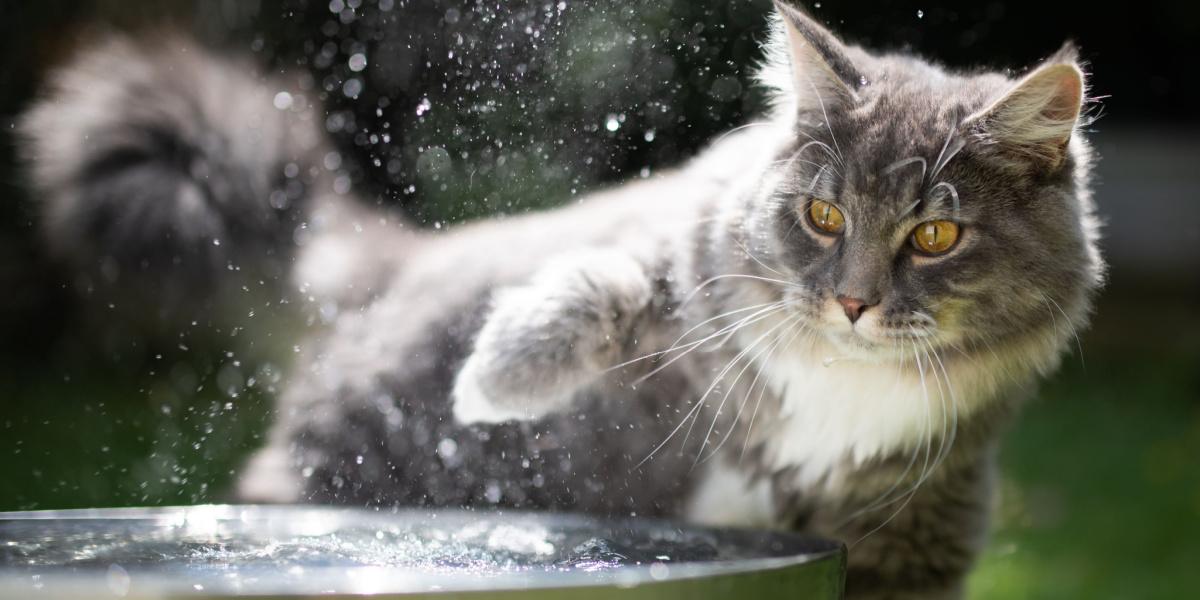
472,405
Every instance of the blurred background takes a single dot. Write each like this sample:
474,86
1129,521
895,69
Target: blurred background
464,109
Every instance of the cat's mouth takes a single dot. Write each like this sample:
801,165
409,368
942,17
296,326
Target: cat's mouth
873,345
871,337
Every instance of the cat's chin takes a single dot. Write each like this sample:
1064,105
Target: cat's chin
851,345
859,345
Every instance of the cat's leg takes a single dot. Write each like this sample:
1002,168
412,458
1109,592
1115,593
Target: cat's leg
544,341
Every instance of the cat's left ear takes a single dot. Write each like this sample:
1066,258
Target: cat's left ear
821,69
1037,117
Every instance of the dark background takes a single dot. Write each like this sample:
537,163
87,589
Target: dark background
1101,494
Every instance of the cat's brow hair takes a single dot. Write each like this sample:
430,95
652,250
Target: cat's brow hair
904,162
951,147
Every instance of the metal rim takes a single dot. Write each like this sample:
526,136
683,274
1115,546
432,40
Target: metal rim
798,555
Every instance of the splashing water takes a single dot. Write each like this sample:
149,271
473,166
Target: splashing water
292,549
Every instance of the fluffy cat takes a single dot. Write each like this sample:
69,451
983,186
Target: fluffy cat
822,322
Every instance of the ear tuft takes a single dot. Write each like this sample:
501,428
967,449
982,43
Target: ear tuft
820,70
1036,118
1067,53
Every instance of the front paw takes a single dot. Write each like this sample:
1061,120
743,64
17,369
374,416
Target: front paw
477,398
545,341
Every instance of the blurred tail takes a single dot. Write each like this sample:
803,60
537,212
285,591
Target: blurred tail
169,178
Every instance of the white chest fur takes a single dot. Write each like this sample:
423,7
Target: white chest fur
837,414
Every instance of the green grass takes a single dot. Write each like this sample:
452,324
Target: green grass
1101,475
1101,487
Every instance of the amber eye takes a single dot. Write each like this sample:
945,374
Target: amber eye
935,237
826,217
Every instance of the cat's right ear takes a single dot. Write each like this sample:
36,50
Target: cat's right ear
821,69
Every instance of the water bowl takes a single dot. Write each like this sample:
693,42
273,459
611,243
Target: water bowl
296,551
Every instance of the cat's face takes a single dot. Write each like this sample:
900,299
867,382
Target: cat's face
921,210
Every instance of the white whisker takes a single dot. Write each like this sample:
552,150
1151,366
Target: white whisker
675,345
727,332
716,278
772,345
904,162
700,401
949,187
828,126
755,258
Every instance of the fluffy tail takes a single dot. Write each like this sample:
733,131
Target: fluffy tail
171,180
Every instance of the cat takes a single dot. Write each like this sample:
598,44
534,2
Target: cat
823,322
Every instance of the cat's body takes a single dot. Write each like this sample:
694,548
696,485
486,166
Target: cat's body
677,346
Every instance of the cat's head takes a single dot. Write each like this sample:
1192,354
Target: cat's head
916,206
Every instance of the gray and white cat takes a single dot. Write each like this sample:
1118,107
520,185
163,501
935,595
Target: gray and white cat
822,322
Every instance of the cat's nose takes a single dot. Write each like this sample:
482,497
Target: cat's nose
853,307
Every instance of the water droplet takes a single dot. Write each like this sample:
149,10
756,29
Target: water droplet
357,62
424,106
447,448
612,123
659,570
283,101
920,14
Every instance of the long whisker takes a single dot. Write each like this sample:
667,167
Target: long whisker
943,156
828,150
700,401
755,258
950,188
1071,327
928,451
753,361
728,367
904,162
799,328
741,127
675,345
825,115
885,498
716,278
728,331
953,427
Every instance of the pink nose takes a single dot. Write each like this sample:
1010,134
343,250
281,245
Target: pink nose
853,307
